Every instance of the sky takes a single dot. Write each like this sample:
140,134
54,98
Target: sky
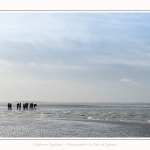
75,56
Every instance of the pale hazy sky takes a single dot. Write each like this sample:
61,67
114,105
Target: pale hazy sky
75,56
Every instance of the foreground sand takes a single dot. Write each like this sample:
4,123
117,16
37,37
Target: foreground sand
69,128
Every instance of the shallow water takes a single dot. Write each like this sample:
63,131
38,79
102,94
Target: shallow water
109,112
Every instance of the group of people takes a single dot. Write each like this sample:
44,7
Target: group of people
30,106
26,106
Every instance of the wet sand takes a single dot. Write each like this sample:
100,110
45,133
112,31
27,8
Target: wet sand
70,128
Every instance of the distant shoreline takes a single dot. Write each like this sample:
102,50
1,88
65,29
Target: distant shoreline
75,103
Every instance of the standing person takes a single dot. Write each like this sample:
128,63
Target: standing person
35,105
17,106
20,106
10,106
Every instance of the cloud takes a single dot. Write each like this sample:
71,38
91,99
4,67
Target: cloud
43,37
129,81
125,80
5,66
31,64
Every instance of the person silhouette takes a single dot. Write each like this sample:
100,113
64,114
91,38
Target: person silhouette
17,106
35,105
20,106
10,106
